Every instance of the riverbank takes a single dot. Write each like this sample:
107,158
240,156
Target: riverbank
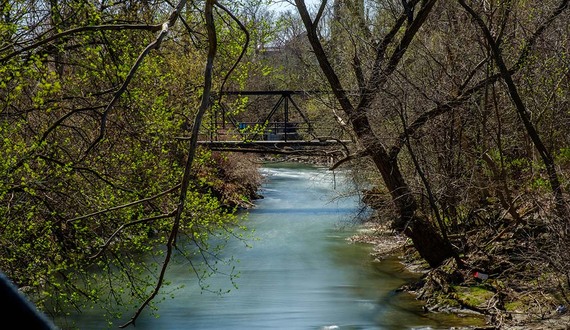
512,300
441,291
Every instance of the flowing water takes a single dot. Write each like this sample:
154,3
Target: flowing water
298,273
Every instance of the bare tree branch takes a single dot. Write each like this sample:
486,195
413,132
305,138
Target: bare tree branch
111,27
125,205
381,73
243,50
439,110
130,224
320,12
186,179
154,45
516,98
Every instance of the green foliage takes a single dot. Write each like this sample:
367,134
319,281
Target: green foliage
474,296
67,196
563,155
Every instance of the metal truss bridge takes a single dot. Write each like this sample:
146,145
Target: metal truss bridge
269,122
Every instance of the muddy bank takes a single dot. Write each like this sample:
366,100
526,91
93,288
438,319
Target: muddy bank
442,293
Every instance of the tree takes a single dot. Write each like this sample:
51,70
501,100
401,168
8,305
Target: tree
427,240
385,97
515,96
94,177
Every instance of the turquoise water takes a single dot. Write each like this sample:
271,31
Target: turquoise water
298,273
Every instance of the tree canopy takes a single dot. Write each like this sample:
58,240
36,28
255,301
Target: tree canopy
459,110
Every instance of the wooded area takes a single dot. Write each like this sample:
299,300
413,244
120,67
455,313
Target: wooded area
459,110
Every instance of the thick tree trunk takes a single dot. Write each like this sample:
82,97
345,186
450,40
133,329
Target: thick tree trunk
434,249
427,240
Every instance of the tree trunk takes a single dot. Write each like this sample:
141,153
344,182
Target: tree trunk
434,249
427,240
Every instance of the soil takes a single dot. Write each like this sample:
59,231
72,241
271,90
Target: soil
438,298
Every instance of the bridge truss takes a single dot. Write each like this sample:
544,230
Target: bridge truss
284,129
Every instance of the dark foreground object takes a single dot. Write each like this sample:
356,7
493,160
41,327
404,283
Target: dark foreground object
17,310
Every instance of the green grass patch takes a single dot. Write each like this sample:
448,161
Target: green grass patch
476,296
514,306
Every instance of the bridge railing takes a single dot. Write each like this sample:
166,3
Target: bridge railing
273,131
285,120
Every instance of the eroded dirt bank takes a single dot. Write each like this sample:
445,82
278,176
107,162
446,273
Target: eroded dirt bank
448,289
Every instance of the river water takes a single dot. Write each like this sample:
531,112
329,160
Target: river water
298,273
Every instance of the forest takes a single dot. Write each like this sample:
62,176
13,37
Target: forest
458,110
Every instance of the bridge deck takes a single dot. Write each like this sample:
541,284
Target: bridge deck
282,143
271,146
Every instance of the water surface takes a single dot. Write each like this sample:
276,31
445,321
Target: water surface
298,273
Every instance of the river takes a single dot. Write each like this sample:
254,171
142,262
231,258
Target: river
298,273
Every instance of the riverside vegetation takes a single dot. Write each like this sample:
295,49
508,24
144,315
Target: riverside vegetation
459,111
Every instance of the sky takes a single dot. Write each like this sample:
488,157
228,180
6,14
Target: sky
281,5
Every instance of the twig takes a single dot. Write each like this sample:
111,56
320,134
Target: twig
132,223
125,205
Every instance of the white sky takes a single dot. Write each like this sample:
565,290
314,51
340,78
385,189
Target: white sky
280,5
